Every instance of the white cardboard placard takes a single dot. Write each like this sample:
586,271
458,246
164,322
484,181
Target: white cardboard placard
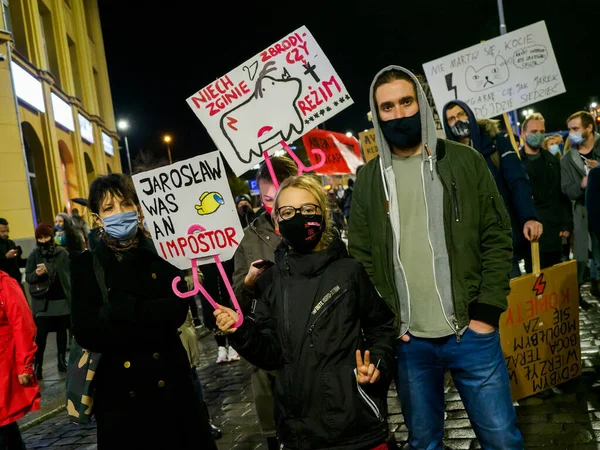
500,75
194,191
279,94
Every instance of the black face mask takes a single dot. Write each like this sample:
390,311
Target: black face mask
404,132
45,244
302,233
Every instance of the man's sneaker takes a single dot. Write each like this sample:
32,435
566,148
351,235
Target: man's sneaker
222,356
233,355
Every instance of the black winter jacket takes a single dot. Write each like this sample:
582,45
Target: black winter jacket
311,315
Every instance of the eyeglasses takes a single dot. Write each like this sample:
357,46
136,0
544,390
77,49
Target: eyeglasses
308,210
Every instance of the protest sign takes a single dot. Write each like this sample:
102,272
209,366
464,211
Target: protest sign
368,144
540,330
342,153
194,191
277,95
500,75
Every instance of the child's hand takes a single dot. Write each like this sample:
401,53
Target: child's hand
226,319
367,372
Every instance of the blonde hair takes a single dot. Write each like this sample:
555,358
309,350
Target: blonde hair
312,185
534,116
551,139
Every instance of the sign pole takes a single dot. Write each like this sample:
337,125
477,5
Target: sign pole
509,127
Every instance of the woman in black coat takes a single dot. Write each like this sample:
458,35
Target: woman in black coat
144,388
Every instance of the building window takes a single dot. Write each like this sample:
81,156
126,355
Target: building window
6,16
98,85
12,11
88,13
49,42
68,2
75,69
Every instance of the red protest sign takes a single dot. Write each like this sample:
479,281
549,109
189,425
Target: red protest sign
342,152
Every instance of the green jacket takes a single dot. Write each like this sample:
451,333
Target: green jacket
477,234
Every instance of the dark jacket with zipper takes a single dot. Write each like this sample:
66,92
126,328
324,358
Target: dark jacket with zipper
259,242
58,271
145,395
510,176
553,207
313,312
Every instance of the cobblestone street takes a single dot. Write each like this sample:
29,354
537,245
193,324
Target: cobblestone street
563,419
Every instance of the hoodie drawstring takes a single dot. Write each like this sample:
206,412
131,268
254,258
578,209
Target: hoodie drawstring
429,159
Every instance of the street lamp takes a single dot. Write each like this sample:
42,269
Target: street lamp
593,105
349,134
528,112
167,138
123,125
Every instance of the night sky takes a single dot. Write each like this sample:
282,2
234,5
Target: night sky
160,52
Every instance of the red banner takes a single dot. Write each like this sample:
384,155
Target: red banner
342,152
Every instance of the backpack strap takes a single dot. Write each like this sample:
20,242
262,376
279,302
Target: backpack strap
99,273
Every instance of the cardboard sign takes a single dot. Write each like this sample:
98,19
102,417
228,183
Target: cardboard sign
279,94
368,144
194,191
342,152
540,330
500,75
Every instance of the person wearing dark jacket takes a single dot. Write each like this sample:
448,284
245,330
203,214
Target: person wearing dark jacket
576,165
49,262
554,208
10,254
592,198
243,204
430,228
320,323
145,395
347,200
259,244
503,162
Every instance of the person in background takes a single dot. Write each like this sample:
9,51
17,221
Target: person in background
66,236
554,144
20,392
503,162
320,323
592,199
11,260
259,244
189,339
243,204
347,200
50,262
145,395
575,167
80,226
553,207
215,286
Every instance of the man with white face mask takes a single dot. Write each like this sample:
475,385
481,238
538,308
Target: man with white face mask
575,167
553,207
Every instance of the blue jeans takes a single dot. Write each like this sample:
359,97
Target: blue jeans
481,377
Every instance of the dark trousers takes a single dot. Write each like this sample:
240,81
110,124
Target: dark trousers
45,325
10,437
547,259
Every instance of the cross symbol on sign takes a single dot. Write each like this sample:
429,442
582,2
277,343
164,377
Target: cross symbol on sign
311,70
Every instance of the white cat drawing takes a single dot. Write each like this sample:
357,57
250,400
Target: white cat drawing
488,76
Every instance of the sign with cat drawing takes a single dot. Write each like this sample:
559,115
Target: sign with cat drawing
500,75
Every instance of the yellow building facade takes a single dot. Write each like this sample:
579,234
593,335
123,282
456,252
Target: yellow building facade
57,124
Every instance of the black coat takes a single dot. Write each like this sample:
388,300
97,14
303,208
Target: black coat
553,207
145,396
10,266
313,312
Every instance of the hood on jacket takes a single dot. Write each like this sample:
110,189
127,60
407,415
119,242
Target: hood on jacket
482,131
311,264
428,133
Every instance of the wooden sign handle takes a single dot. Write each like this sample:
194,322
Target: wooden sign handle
535,257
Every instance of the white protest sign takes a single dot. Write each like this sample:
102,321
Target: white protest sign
194,191
500,75
281,93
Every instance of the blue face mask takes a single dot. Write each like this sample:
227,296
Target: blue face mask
122,226
576,137
554,149
535,140
58,227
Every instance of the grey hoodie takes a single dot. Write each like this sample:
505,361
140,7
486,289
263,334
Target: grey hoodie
433,189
